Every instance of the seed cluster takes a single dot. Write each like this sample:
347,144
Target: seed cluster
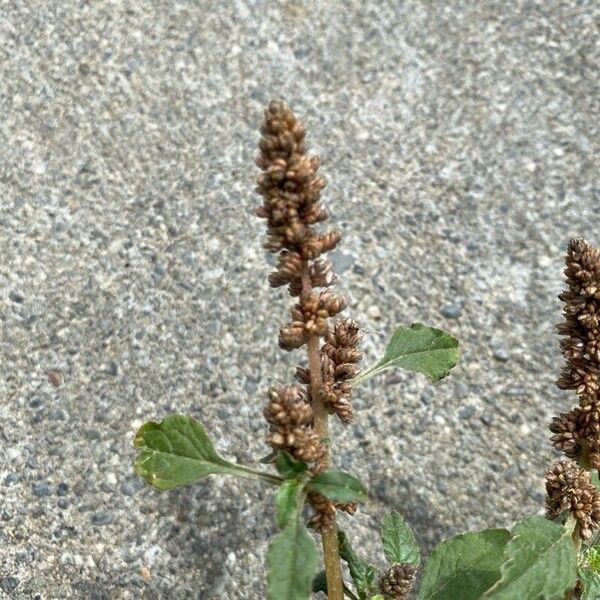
338,365
290,415
568,488
291,191
576,433
290,188
395,584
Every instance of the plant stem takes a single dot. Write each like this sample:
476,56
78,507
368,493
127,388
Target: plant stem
331,550
274,479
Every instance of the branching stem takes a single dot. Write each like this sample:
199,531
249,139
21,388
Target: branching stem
331,551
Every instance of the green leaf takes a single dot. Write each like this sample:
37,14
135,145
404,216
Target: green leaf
592,559
291,562
399,544
378,597
363,574
417,348
539,562
177,452
319,583
464,566
288,501
591,584
339,487
288,466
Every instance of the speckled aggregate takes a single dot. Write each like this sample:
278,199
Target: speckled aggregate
460,143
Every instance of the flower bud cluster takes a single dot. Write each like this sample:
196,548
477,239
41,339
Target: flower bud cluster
395,584
577,432
569,488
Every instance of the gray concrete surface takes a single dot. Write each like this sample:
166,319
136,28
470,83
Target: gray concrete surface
460,142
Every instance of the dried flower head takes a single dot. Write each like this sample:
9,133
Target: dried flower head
291,190
568,488
324,511
581,327
565,428
577,433
290,414
395,584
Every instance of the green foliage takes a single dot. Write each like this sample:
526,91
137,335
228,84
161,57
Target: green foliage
399,543
291,563
417,348
339,487
590,580
592,559
363,574
288,501
292,556
178,452
464,566
288,466
539,562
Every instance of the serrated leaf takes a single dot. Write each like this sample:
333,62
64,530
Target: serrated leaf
339,487
291,563
591,584
539,562
464,566
399,544
363,574
288,502
319,583
417,348
177,452
288,466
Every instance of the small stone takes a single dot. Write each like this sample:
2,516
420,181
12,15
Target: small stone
102,517
466,412
487,419
112,369
16,297
515,391
511,472
537,497
427,396
40,490
159,269
461,390
515,417
341,261
374,312
500,353
9,584
358,269
35,402
62,503
62,489
450,311
9,480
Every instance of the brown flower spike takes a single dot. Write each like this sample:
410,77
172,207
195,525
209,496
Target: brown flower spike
577,433
290,188
568,488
